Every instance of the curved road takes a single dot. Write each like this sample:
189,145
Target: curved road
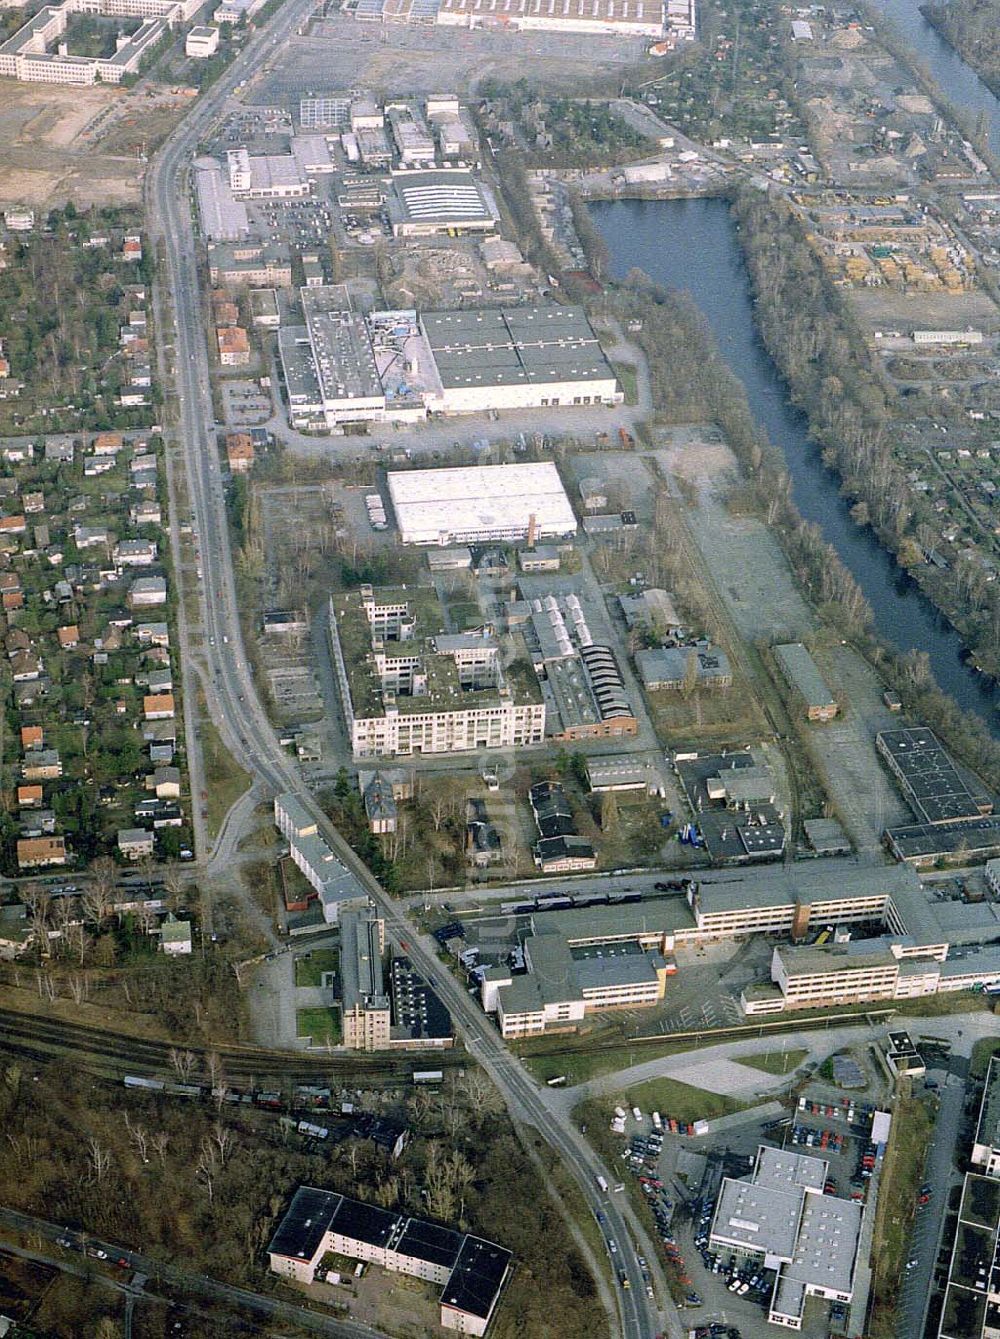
239,713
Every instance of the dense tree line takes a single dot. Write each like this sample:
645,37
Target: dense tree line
972,29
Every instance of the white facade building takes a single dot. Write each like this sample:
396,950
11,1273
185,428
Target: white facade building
481,504
470,1270
201,42
613,18
312,854
26,55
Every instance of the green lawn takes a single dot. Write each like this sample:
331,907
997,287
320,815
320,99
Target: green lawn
310,967
772,1062
981,1052
225,780
951,1002
626,374
670,1097
322,1025
582,1065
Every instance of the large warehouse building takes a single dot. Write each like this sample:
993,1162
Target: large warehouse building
440,200
396,366
527,357
614,18
481,504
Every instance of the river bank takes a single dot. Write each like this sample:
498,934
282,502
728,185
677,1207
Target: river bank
943,19
693,246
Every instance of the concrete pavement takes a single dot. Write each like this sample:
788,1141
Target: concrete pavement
717,1069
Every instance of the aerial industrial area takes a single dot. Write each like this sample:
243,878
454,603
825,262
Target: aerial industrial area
500,785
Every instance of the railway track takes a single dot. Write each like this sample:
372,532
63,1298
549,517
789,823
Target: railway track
711,1036
117,1053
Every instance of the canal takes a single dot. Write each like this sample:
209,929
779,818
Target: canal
692,245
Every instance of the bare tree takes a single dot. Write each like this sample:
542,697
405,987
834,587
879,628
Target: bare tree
479,1089
79,987
99,1159
216,1078
159,1142
38,900
183,1063
145,918
172,883
139,1136
207,1167
224,1140
98,892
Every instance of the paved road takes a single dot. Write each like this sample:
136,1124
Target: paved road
941,1173
240,716
241,1300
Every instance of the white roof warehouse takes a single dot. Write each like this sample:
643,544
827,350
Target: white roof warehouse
481,504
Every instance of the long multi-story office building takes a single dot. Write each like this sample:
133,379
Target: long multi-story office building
332,881
986,1146
564,982
971,1304
408,686
904,954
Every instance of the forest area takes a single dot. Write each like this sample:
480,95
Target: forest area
972,29
204,1185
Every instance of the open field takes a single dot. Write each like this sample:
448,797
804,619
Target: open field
341,53
79,144
225,781
680,1100
950,311
320,1024
310,968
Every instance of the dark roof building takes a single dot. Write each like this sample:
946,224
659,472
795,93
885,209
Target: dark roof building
470,1270
936,790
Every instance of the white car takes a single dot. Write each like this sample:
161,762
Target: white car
612,1246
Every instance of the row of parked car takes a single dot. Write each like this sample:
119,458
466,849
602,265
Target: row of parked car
748,1280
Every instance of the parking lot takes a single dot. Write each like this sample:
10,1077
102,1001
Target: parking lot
726,1293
